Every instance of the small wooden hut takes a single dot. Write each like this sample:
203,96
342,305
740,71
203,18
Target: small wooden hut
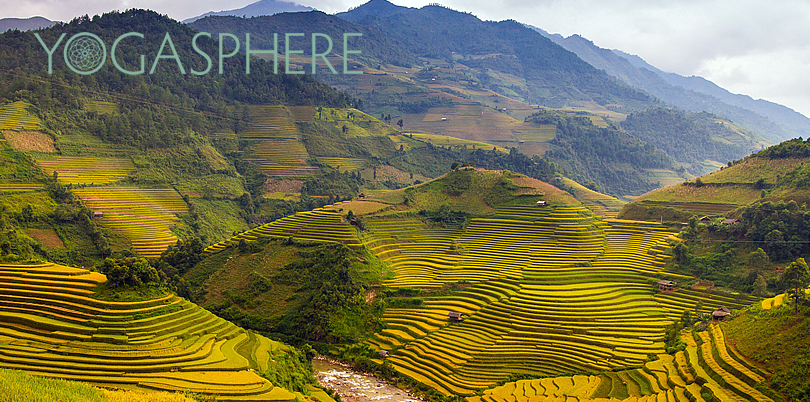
455,316
721,313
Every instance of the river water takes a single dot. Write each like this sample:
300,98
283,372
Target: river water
357,387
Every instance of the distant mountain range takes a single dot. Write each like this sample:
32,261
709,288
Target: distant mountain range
25,24
773,121
259,8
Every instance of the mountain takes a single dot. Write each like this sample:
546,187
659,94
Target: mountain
794,123
25,24
259,8
519,60
373,8
772,121
376,46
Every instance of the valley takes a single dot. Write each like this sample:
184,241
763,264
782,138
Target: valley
478,215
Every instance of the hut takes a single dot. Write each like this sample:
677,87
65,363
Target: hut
720,314
361,195
383,354
541,203
729,222
705,219
455,316
667,286
98,214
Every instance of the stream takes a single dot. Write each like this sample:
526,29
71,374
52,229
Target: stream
353,386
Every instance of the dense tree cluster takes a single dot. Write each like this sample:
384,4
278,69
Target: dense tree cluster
794,148
330,304
784,227
688,138
607,156
129,271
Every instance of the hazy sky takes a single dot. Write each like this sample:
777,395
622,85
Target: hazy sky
758,48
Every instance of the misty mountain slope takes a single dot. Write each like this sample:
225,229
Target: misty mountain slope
545,73
794,123
259,8
772,121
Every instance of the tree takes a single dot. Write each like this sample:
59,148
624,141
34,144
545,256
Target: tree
796,278
760,286
400,123
758,260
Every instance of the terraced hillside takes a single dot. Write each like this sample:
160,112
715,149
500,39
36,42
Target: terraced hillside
552,290
543,290
600,204
319,225
276,142
15,116
50,325
707,367
144,216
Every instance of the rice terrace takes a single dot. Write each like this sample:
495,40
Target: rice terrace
482,211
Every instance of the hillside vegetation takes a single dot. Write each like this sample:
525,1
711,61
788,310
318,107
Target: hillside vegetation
699,141
745,222
482,93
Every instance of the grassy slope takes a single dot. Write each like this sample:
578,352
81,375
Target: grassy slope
724,190
16,386
776,340
474,191
227,277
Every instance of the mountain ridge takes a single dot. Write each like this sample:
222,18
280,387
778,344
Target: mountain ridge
25,24
259,8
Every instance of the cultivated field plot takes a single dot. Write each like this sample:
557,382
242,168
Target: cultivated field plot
29,141
276,146
15,116
358,124
445,141
50,326
87,170
100,107
20,187
343,164
144,216
544,291
679,378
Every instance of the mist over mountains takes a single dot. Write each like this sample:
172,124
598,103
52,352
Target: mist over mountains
773,121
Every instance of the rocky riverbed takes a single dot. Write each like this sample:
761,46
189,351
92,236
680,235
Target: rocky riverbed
353,386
